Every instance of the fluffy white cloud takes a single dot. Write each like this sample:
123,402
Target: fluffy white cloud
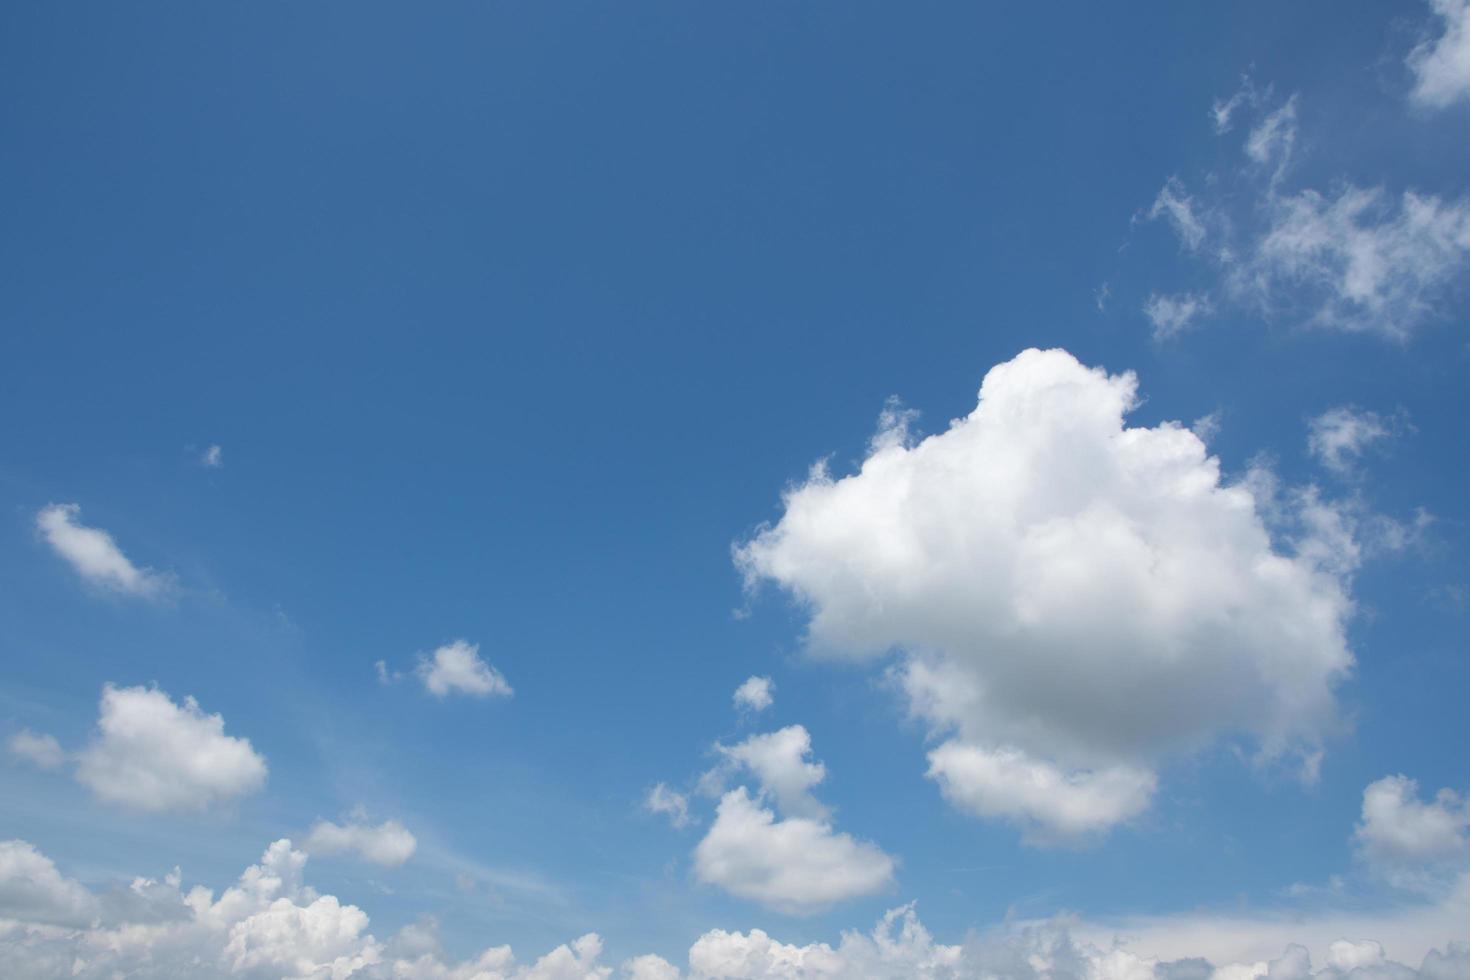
796,865
1171,315
1060,585
1339,436
93,553
1398,829
152,754
1441,65
457,666
42,751
672,804
31,889
389,843
779,761
1051,803
754,694
212,458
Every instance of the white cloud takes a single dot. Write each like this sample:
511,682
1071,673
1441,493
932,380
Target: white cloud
33,890
795,865
1206,427
93,553
1222,111
1271,142
457,666
650,967
1441,65
674,805
270,924
212,458
1357,259
1172,315
1351,258
1005,783
389,843
152,754
1175,204
779,761
1397,829
754,694
1062,585
1339,436
42,751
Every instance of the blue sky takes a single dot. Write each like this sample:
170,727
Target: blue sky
495,343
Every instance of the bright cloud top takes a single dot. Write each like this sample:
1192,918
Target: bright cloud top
153,754
389,843
1441,65
754,694
1074,598
457,667
93,554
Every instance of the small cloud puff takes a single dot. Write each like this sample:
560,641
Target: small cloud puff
754,694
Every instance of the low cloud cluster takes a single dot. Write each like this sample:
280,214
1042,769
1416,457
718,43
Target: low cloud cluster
271,924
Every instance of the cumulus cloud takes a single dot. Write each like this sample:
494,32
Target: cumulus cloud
799,863
671,804
457,667
754,694
42,751
1339,436
94,554
389,843
778,760
1072,598
269,925
796,865
1171,315
1441,65
212,458
1401,834
1051,803
152,754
